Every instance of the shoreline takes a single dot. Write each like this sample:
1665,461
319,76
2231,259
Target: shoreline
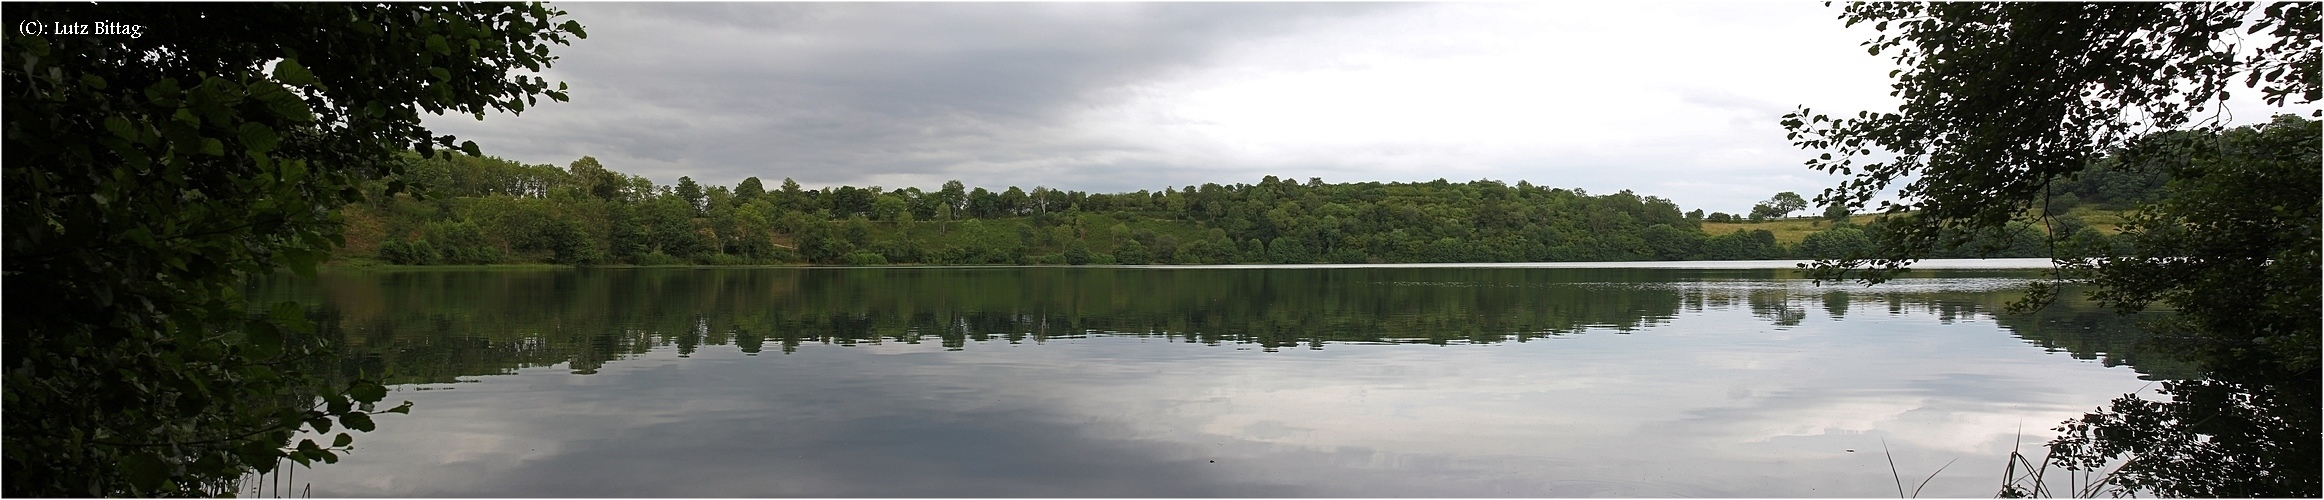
1926,264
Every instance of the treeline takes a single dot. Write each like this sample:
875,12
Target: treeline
485,210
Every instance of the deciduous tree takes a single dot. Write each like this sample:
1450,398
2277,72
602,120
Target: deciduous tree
147,177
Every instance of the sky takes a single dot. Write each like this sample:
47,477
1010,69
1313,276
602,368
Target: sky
1671,99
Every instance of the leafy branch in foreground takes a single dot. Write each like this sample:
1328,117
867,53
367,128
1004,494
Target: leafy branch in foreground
2003,103
148,177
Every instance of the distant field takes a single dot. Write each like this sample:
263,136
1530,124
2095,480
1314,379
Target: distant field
1791,231
2103,220
1787,231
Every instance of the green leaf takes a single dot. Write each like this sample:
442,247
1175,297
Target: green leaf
436,43
258,138
146,471
290,72
258,453
294,170
356,420
120,127
263,339
35,46
442,75
289,314
367,391
342,440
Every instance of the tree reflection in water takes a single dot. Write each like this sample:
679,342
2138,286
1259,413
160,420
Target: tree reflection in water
440,326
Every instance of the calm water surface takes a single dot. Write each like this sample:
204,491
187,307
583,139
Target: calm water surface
1192,381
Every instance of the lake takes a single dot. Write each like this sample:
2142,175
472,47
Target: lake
1651,379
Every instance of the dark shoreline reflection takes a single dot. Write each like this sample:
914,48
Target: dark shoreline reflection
1142,382
436,326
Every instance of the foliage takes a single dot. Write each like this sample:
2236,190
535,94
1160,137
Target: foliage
1781,205
1273,221
1742,245
2233,248
573,218
2002,99
2012,108
1838,243
148,176
1837,213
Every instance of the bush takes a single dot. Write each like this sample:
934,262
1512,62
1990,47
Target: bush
657,258
1131,253
1742,245
414,253
1077,253
720,259
1836,243
866,259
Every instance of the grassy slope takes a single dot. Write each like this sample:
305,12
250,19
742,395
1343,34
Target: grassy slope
1791,231
1787,231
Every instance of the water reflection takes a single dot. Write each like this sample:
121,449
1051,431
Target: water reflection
1158,382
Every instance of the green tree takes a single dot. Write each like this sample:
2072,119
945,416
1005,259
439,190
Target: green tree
1837,213
891,207
1836,243
2004,101
2232,247
593,178
691,192
749,189
955,197
2000,100
1781,205
1670,243
791,198
1742,245
1132,253
1288,250
669,225
147,178
1077,253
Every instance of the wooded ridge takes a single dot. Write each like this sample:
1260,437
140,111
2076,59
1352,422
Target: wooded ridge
487,210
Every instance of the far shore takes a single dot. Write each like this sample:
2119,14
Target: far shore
2017,263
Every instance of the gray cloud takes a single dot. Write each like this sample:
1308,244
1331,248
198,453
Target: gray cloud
861,93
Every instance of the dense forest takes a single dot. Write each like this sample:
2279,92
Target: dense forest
486,210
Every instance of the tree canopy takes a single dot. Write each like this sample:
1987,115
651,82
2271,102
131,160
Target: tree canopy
2002,100
147,177
2005,105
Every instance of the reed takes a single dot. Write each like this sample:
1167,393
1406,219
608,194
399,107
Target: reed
1899,477
2021,478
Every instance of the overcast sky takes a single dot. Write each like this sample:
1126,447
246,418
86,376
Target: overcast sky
1673,99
